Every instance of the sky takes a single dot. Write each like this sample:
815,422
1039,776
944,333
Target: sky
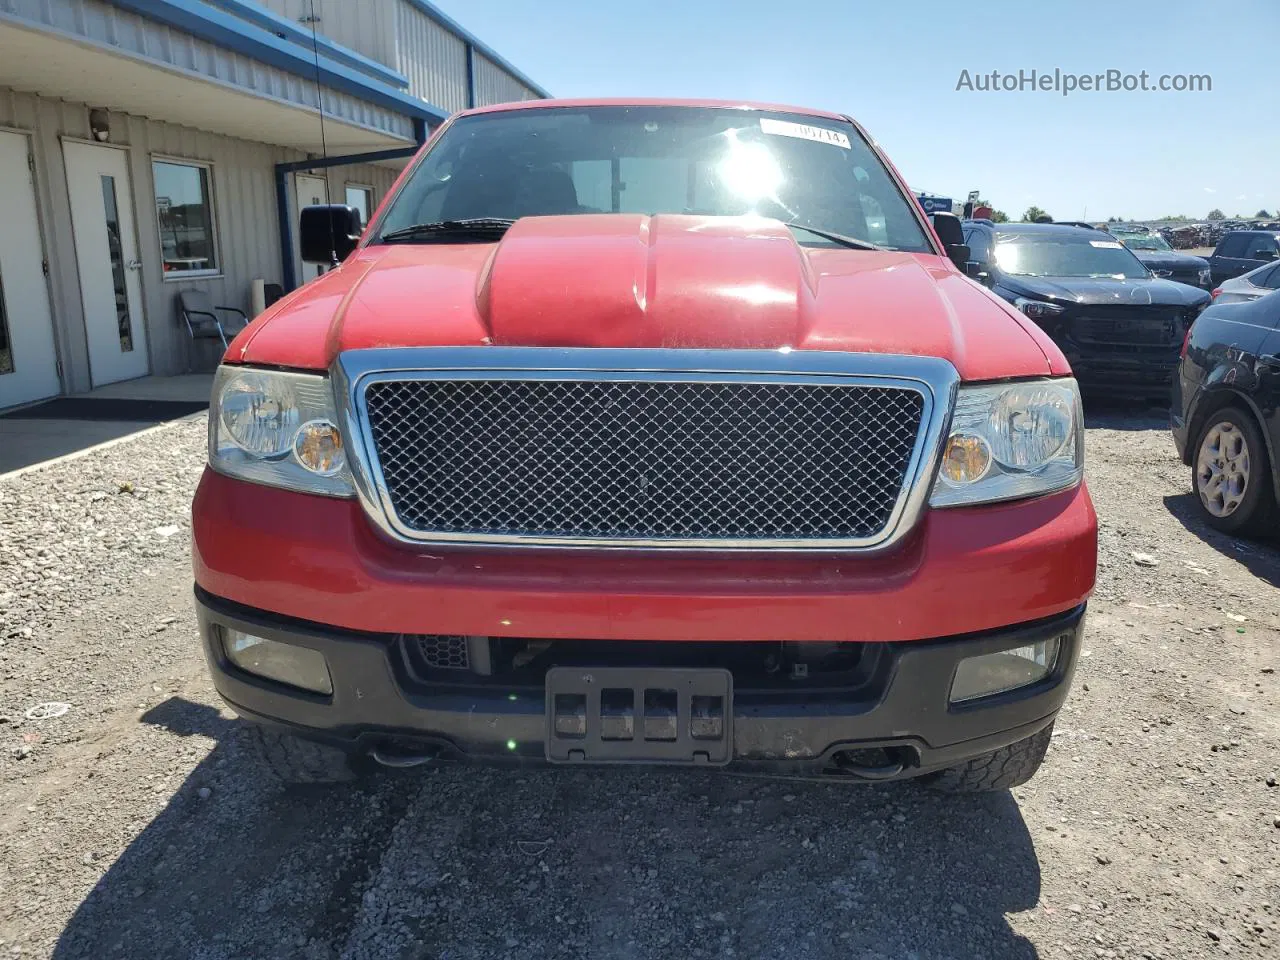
895,67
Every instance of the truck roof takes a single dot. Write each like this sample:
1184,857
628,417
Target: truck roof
651,102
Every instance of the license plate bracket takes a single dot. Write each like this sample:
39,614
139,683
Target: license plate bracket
663,715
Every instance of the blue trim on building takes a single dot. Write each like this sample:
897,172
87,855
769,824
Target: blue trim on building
474,42
289,30
238,35
288,270
471,76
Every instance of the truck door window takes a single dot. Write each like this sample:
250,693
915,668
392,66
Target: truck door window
653,184
1258,246
594,182
1233,245
979,246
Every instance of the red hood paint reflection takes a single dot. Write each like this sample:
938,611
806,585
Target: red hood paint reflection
627,280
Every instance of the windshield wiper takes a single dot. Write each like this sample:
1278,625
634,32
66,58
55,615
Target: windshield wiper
481,228
851,242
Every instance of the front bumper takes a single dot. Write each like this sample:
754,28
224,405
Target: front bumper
905,714
962,570
1145,373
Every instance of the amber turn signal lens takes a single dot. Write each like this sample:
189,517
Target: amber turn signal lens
318,447
967,458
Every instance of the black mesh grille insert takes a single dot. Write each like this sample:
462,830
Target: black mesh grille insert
441,652
1148,328
615,460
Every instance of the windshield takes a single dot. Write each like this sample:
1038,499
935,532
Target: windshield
1061,256
1146,241
558,161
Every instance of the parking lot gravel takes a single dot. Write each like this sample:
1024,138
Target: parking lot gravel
135,823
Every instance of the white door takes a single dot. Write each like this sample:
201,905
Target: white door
311,191
28,359
107,256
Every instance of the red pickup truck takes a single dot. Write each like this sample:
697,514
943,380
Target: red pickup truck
646,432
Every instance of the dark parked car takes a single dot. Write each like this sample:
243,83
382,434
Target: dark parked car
1119,325
1162,260
1225,416
1241,251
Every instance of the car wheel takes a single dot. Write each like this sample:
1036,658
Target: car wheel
1231,473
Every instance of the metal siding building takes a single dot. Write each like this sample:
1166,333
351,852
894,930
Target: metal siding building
496,85
104,99
433,58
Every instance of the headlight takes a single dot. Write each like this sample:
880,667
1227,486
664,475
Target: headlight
278,429
1010,441
1038,309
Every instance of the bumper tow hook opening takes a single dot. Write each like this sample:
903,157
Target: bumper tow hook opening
867,764
399,758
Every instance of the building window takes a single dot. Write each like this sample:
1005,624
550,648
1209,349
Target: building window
184,210
116,250
362,199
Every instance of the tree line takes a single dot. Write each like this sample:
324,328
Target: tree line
1034,214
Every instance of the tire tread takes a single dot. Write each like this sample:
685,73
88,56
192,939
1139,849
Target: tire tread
1001,769
292,759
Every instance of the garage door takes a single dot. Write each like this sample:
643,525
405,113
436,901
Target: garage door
28,359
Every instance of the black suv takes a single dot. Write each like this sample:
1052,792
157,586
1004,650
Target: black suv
1162,260
1241,251
1225,420
1119,325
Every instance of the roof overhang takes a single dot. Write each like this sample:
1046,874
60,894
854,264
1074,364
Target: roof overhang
51,65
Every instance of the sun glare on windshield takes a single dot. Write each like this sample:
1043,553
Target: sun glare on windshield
749,170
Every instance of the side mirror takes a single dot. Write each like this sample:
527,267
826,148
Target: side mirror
329,232
947,226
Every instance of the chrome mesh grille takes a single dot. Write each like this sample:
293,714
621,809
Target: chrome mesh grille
615,460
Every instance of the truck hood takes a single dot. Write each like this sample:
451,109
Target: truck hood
1101,291
1164,260
626,280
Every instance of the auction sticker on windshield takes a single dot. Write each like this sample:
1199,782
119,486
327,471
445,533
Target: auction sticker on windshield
1106,244
803,131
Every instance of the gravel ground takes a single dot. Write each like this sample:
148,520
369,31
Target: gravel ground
136,825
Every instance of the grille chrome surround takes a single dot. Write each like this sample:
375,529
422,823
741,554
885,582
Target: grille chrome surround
922,386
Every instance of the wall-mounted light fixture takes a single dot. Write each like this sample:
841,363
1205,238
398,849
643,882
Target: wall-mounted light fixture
100,124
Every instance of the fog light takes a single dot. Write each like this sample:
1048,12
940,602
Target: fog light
318,447
966,459
283,662
994,673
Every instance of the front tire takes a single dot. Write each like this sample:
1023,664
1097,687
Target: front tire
293,760
1231,473
1002,769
